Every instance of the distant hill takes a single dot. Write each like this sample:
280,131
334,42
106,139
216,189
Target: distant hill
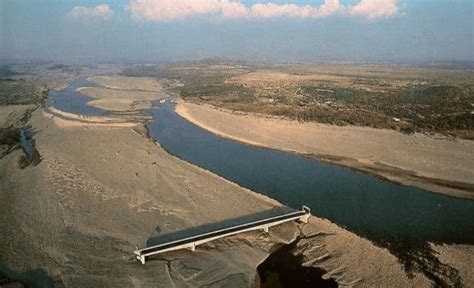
5,71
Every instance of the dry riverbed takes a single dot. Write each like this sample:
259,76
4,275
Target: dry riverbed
102,189
79,214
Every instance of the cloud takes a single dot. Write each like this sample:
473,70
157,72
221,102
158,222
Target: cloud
170,10
167,10
101,11
375,8
270,10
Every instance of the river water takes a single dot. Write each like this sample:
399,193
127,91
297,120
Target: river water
378,210
71,101
384,212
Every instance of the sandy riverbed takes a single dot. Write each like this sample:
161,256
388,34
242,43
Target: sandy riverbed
81,211
128,83
439,165
101,190
120,100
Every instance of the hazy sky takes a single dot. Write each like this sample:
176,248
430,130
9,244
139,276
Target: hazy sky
157,30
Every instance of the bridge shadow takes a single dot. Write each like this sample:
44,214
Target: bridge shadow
194,231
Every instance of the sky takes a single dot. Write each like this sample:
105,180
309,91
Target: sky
151,31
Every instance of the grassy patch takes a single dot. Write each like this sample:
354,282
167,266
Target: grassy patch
18,92
407,100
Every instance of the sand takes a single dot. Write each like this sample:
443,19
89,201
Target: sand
437,164
128,83
82,210
120,100
461,257
99,191
102,189
11,113
65,119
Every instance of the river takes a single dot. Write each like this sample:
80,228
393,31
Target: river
389,214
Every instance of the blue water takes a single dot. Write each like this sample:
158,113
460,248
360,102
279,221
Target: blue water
71,101
381,211
25,136
378,210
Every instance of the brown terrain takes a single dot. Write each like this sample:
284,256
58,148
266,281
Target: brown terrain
407,99
103,186
439,165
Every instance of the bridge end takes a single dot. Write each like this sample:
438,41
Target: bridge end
305,217
306,209
141,258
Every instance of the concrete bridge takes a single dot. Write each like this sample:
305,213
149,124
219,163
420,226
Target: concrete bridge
192,241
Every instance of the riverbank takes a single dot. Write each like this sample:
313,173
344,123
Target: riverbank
100,190
80,212
439,165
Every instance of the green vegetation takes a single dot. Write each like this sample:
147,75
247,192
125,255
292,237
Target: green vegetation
444,109
20,92
5,71
9,139
17,92
407,100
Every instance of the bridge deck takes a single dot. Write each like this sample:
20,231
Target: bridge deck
193,241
